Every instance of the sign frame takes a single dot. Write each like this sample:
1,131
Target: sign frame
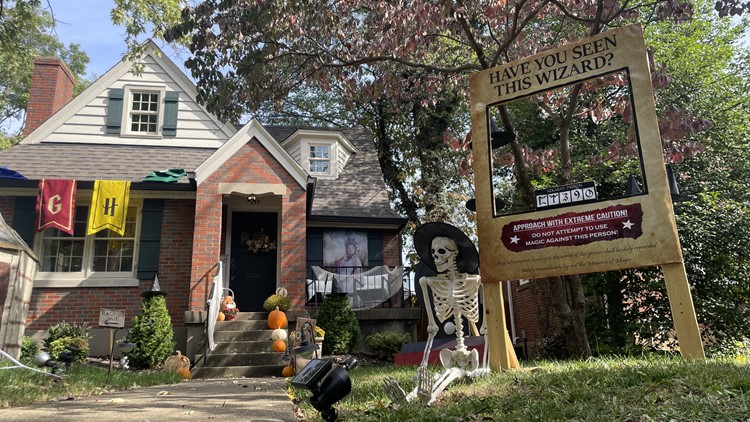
555,252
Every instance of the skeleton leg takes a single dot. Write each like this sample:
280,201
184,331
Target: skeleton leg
445,378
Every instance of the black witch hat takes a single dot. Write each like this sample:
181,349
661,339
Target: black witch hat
468,257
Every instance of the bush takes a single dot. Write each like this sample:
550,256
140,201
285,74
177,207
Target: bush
29,349
385,345
340,324
63,335
283,302
152,333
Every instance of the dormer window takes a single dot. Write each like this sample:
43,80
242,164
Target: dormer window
320,159
144,112
322,153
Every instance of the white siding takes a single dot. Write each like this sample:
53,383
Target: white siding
195,128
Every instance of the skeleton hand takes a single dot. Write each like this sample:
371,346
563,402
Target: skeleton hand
425,384
394,391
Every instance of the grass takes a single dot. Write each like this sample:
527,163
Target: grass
19,387
656,388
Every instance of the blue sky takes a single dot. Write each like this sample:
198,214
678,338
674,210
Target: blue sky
87,22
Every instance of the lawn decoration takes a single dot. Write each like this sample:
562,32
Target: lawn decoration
455,293
277,319
229,308
178,363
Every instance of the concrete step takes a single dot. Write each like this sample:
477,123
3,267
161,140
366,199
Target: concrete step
229,347
241,325
239,359
225,336
249,316
237,371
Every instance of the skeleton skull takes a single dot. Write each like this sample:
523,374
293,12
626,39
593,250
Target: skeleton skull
444,252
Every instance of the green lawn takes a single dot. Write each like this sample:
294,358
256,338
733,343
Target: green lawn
20,386
605,389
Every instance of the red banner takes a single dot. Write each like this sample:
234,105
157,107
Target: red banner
55,205
571,229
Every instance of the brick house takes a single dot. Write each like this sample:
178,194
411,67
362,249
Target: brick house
307,190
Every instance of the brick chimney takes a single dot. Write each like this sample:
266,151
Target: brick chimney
51,88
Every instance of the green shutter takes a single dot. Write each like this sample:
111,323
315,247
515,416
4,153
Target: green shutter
24,216
374,248
114,110
148,251
170,113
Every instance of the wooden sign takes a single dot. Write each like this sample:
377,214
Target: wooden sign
564,237
111,318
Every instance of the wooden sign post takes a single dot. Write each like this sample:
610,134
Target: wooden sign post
113,320
570,231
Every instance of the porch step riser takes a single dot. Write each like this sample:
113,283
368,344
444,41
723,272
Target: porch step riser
232,336
241,325
240,359
230,347
237,371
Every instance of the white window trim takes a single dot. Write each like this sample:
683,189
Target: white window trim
333,164
88,277
127,109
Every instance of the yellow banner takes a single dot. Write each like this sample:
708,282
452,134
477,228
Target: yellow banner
109,206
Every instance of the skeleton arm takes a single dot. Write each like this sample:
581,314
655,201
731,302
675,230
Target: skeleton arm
432,327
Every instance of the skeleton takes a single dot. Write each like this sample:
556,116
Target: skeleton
455,295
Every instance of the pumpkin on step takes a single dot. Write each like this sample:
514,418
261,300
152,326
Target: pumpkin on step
278,346
288,371
276,319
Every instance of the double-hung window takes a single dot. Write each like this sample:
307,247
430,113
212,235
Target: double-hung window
104,258
320,159
144,112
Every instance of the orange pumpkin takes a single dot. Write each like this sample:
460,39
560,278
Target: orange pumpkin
276,319
184,373
288,371
278,346
221,316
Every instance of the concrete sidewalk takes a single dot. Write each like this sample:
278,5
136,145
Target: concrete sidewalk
243,399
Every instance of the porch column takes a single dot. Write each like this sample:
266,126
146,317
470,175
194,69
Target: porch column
206,244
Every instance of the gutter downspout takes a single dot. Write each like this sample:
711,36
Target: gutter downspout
510,311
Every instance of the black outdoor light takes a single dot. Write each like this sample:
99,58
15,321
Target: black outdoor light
632,187
328,384
471,204
673,189
67,356
499,138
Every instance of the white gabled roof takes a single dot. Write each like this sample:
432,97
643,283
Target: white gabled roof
113,75
252,129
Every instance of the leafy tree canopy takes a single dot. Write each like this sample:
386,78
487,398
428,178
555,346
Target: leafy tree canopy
27,32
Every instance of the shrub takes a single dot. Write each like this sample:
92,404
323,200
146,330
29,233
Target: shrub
385,345
63,335
283,302
340,324
29,349
152,333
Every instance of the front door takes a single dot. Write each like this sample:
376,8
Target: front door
252,269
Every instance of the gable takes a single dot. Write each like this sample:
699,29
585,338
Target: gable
181,121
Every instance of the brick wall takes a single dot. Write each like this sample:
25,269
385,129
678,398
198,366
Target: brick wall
51,88
526,313
251,164
391,248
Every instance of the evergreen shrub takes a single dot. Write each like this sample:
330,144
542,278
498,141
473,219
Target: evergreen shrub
152,333
336,317
385,345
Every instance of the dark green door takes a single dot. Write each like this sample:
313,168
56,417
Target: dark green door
253,267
